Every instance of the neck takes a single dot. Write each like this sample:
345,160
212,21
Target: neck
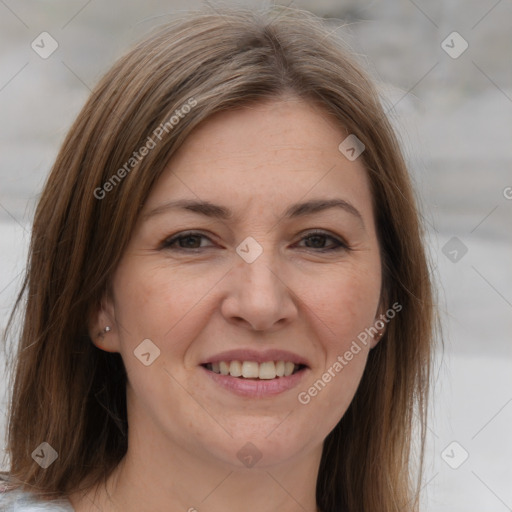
159,475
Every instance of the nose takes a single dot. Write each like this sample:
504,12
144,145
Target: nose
258,298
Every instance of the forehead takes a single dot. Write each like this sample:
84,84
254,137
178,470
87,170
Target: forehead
265,156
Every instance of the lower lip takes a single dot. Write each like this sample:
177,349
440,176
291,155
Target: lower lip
256,388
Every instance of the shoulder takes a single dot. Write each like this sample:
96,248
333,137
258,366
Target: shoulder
18,500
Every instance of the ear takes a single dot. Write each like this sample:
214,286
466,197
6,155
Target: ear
380,321
103,329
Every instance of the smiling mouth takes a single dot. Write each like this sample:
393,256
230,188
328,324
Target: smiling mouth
253,370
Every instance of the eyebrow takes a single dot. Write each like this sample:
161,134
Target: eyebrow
209,209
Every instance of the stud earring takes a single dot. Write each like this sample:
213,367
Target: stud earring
104,331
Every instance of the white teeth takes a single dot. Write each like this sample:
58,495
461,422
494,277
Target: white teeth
268,370
253,370
288,368
235,369
250,369
224,368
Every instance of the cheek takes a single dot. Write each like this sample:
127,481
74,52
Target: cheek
345,303
160,304
153,301
342,308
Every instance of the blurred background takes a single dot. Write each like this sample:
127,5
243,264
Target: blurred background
444,69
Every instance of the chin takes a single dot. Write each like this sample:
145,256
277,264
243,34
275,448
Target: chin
260,446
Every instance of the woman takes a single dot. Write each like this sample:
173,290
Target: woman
281,359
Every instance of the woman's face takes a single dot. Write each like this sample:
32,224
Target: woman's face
268,274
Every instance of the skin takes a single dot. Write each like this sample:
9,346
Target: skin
184,430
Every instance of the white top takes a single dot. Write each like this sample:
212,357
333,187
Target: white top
17,500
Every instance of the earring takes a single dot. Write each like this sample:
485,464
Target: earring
104,331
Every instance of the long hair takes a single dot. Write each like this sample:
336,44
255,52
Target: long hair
70,394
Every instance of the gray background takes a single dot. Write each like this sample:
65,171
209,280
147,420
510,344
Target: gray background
454,117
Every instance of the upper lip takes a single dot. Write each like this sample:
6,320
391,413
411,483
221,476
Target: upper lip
257,356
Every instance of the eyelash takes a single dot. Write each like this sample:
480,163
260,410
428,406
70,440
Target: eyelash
167,243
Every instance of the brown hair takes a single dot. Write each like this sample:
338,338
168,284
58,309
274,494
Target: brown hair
69,393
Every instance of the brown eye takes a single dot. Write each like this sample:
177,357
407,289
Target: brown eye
317,240
184,241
